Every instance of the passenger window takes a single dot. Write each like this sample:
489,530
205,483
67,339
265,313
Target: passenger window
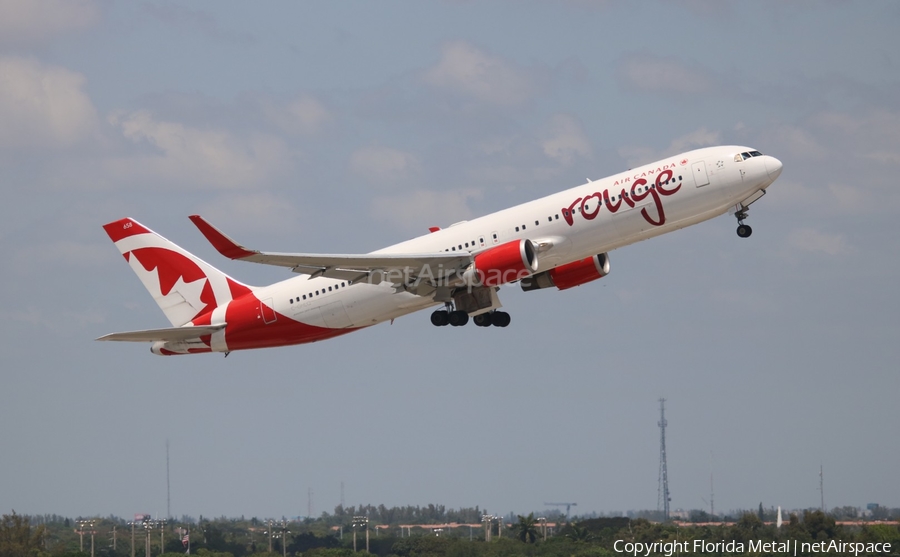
517,229
467,244
304,296
523,227
329,289
536,223
495,236
454,249
557,216
292,300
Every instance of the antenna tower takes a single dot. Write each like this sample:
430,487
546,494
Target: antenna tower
662,502
342,494
309,508
712,493
822,487
168,496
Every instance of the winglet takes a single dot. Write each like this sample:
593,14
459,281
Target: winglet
223,244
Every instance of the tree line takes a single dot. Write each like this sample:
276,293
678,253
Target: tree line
53,536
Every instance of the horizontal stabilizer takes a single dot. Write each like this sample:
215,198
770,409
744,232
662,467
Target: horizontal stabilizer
171,333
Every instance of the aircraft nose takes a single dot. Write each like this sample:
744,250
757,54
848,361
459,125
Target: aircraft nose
773,167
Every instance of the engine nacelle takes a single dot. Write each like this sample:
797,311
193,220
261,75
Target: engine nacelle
571,274
505,263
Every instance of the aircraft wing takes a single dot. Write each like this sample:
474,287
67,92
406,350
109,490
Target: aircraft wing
397,268
171,333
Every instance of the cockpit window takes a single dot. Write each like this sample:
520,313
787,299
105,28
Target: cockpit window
745,156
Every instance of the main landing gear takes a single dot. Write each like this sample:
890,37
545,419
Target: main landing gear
457,318
743,230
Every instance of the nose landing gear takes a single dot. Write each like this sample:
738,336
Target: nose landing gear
743,230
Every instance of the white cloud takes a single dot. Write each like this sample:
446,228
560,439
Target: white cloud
794,141
176,154
28,21
42,106
884,157
195,22
664,74
815,241
384,164
694,140
866,135
303,115
257,212
63,323
638,155
566,140
62,254
750,301
466,70
422,208
846,198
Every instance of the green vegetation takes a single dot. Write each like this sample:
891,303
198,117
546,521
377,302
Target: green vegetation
55,536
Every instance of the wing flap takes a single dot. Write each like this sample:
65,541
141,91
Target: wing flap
167,334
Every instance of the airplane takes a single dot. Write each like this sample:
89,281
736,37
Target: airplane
558,241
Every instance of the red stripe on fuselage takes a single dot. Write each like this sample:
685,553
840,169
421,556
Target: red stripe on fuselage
247,329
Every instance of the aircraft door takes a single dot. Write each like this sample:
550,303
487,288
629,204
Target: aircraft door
265,309
701,178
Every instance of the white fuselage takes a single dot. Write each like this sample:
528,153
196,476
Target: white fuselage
567,226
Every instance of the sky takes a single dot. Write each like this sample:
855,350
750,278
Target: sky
344,127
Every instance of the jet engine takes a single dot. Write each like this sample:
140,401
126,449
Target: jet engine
505,263
570,275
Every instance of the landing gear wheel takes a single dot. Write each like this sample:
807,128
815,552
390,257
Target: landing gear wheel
744,230
440,318
458,318
500,319
482,319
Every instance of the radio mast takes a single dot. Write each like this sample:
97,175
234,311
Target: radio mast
168,496
662,502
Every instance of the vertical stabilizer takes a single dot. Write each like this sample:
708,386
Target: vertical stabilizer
185,287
